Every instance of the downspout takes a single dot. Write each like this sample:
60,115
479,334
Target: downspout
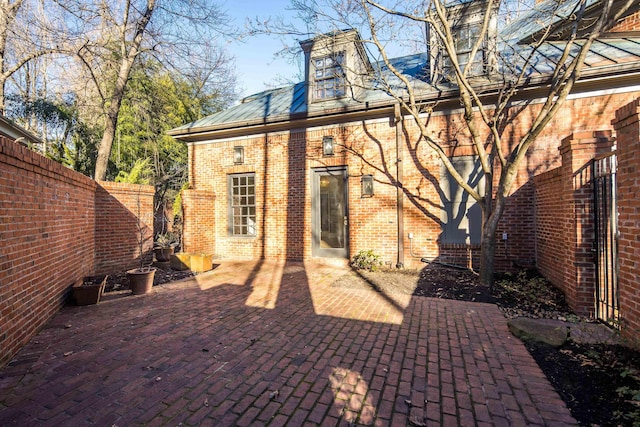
399,194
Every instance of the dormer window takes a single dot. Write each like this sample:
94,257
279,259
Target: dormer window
329,77
465,37
335,67
466,20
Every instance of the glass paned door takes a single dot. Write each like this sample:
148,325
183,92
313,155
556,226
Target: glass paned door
329,212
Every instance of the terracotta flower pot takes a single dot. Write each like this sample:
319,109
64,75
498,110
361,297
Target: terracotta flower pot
141,280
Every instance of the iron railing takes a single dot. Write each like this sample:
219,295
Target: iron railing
606,238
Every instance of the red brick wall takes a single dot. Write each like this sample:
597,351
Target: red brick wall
630,23
518,250
199,221
627,126
564,218
551,226
564,229
578,151
56,226
282,162
117,229
47,234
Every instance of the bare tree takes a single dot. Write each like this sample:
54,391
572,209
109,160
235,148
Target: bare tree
180,34
487,88
25,34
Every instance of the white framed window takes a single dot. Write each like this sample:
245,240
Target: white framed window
329,78
242,204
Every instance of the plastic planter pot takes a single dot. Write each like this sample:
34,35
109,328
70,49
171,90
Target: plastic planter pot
141,280
89,290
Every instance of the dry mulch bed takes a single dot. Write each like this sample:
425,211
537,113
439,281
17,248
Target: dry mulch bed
119,282
600,383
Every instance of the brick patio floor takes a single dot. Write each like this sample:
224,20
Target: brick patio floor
272,343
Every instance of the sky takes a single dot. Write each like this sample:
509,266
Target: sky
256,68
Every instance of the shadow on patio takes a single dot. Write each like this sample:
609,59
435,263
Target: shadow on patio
268,342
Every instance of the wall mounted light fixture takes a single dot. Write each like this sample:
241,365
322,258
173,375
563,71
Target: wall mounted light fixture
327,145
238,155
367,185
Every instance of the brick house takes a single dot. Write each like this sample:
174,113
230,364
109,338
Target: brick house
328,167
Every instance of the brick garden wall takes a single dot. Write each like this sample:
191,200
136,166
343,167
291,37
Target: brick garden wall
47,233
564,218
116,228
578,150
199,221
551,229
49,238
627,126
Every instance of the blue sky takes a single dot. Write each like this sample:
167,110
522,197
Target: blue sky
256,68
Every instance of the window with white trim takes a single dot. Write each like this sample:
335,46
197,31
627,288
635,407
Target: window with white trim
242,204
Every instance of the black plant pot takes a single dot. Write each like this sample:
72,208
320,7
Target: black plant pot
163,254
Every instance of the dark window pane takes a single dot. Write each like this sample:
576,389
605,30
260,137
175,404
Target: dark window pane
329,77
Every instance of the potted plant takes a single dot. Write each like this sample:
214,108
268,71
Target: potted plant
164,246
141,278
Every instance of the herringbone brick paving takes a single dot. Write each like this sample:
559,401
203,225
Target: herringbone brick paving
272,343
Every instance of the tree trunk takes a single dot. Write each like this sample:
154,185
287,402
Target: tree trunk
490,221
487,254
3,83
111,118
115,100
112,113
104,151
